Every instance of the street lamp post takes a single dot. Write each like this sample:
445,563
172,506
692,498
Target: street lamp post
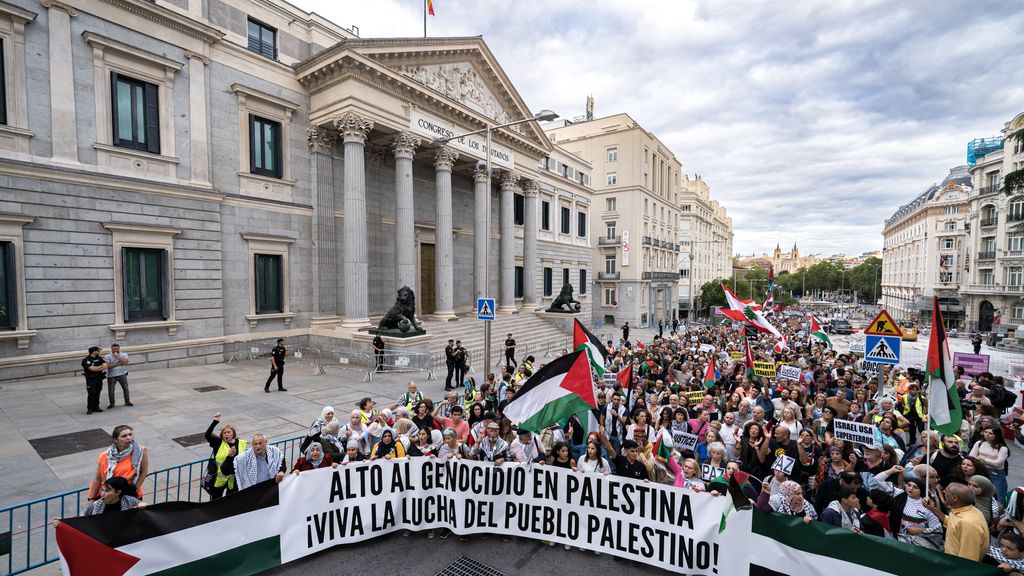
542,116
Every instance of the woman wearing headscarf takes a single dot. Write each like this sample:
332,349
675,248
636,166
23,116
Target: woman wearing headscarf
317,427
388,448
116,495
983,497
125,458
225,447
403,432
789,501
330,441
312,459
876,521
427,442
911,520
353,429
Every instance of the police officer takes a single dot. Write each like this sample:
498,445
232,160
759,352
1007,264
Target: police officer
510,352
94,369
277,355
460,362
378,353
449,362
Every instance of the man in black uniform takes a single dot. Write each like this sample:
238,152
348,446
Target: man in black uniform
976,343
378,353
277,366
449,362
510,352
625,332
661,328
460,363
94,369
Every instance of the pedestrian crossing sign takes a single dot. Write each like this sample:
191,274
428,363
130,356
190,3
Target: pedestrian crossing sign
882,349
485,308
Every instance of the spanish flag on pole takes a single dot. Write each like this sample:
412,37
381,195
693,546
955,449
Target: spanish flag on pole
430,7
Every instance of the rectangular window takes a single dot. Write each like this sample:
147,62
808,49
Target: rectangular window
950,226
519,282
8,287
264,146
1018,312
566,220
565,276
988,278
947,243
1014,277
269,284
610,297
545,215
609,264
609,230
1015,243
262,39
583,281
519,209
548,281
1016,211
609,204
581,224
145,277
135,113
613,154
3,85
952,209
613,179
684,273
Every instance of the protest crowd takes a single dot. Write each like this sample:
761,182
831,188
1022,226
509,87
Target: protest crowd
819,440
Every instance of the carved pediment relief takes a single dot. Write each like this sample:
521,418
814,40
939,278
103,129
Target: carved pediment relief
461,82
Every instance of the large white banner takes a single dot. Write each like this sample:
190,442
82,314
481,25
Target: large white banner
652,523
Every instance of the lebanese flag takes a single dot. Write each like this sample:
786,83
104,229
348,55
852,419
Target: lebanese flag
943,401
558,390
236,535
710,375
814,329
780,344
746,313
583,339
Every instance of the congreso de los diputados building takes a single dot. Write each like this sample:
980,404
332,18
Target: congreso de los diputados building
183,175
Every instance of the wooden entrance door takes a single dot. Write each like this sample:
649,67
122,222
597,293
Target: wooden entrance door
426,296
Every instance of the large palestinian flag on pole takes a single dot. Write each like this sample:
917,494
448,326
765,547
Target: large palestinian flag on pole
583,339
232,536
814,329
943,401
556,391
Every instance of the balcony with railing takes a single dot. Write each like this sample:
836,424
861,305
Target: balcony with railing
669,276
607,275
609,240
990,189
990,221
1015,217
987,255
648,241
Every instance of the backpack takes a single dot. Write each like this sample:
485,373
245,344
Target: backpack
1002,398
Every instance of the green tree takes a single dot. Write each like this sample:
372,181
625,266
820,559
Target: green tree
866,279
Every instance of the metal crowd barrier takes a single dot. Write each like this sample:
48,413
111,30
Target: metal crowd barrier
251,350
29,525
401,362
343,360
305,356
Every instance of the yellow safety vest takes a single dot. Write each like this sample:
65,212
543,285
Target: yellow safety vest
222,455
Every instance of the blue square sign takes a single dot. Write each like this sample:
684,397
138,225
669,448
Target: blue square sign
882,349
485,308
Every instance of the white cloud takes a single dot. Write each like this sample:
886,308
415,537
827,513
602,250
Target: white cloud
812,122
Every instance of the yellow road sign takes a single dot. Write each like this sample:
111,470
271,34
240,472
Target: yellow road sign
883,325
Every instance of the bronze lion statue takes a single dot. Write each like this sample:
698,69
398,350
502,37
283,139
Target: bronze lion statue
565,302
402,316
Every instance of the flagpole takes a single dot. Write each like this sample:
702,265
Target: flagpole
425,18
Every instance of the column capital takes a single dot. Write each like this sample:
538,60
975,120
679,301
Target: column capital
197,56
445,158
480,173
405,144
70,10
353,127
320,139
509,179
531,188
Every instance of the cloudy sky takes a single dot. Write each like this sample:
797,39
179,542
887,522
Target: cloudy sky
811,121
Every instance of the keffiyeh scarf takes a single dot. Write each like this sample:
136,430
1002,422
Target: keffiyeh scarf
114,457
246,466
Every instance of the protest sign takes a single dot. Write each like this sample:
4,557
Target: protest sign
857,346
765,369
854,431
707,348
784,464
736,355
973,364
789,372
709,472
695,397
683,441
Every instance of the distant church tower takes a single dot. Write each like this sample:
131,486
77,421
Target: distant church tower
778,252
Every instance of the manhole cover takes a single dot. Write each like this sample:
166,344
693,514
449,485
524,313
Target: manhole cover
466,566
73,443
191,439
209,388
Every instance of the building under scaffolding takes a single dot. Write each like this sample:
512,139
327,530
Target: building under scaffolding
979,147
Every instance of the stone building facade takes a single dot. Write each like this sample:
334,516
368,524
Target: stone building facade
705,242
179,175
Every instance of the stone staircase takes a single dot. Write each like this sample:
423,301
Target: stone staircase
538,336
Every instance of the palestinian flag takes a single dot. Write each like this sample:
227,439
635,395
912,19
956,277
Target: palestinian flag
583,339
737,498
814,329
769,306
232,536
771,285
746,313
710,375
663,445
561,388
625,377
943,401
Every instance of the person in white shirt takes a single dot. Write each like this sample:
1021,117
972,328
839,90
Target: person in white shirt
591,460
117,373
728,433
526,448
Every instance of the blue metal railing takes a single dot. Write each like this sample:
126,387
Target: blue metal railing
29,525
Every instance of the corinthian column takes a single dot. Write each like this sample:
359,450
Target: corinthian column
509,183
321,142
530,245
405,145
444,243
481,232
354,130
